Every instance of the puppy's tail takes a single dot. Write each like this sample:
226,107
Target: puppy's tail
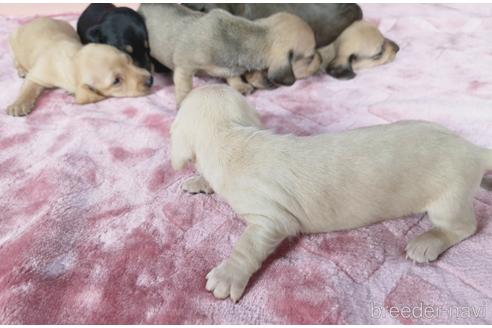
487,180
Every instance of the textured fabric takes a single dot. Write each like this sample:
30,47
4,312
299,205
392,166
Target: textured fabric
94,227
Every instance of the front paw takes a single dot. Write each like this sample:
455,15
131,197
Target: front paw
226,281
245,88
20,109
196,185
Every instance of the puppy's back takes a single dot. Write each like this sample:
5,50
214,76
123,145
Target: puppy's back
43,34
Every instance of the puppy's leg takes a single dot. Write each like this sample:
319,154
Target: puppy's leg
26,100
183,83
197,184
258,79
237,83
21,71
451,225
256,243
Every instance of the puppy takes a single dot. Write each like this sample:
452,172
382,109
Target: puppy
48,53
119,27
327,20
222,45
360,46
283,185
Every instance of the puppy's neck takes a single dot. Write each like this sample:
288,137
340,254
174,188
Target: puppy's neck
257,47
222,143
66,71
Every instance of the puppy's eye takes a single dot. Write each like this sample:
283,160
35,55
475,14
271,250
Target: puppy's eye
291,55
352,58
117,81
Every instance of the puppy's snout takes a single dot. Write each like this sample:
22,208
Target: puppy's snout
341,72
396,47
149,81
287,81
393,45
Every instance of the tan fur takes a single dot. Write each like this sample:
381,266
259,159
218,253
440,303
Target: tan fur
365,43
48,53
225,46
283,185
361,39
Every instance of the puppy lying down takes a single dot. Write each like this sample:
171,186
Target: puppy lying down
360,46
226,46
48,54
283,185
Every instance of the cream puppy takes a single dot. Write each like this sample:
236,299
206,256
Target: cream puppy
48,54
283,185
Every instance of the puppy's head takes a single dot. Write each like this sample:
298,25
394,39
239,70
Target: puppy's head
103,71
205,111
293,52
360,46
124,29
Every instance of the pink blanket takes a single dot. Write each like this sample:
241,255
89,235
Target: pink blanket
94,227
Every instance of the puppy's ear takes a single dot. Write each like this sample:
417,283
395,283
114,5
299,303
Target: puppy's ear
94,34
86,95
181,150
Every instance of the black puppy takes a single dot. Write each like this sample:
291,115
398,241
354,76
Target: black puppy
120,27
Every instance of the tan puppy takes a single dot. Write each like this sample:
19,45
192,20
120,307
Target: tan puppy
48,53
222,45
360,46
283,185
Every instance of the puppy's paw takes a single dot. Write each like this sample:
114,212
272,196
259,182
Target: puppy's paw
196,185
21,72
426,247
244,88
20,109
225,281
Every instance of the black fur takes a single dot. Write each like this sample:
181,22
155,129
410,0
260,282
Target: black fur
119,27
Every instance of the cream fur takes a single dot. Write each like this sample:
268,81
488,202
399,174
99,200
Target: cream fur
48,54
283,185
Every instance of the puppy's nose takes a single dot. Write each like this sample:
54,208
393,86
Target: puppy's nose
149,81
393,45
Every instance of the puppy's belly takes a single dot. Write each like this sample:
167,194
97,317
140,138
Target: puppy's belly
316,212
223,72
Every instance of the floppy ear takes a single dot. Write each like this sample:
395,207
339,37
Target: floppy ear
93,34
181,151
86,95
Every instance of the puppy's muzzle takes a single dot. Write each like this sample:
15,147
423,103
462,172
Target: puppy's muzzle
149,81
393,45
340,72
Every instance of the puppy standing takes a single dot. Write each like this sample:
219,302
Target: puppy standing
222,45
48,53
327,20
283,185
